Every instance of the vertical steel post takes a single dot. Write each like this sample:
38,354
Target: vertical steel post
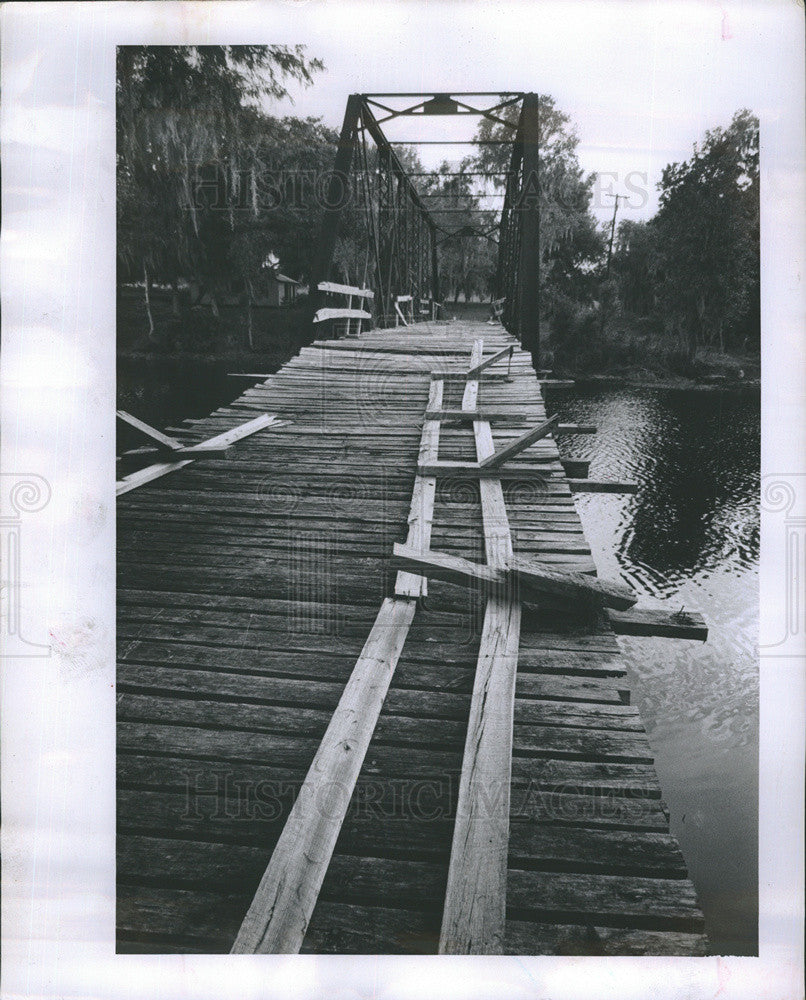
338,195
529,207
434,263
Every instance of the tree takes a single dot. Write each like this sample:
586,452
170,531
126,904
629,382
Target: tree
178,109
570,242
708,237
466,257
635,265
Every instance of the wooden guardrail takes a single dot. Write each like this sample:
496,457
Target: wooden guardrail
340,312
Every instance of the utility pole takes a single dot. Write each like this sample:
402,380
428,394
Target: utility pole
612,234
609,255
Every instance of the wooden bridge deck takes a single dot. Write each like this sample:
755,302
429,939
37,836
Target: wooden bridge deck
247,588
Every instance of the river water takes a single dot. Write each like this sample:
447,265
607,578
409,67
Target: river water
689,537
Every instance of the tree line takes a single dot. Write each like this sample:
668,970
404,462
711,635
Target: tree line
212,190
694,267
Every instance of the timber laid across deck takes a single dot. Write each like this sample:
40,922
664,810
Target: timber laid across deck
318,750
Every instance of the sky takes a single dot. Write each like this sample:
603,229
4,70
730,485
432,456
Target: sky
641,81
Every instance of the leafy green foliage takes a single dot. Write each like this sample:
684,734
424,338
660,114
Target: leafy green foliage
708,233
696,263
466,256
193,151
570,242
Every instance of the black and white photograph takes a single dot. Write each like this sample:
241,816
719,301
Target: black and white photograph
399,575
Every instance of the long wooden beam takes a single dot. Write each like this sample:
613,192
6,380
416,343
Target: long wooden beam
535,578
497,458
473,919
421,513
285,899
573,586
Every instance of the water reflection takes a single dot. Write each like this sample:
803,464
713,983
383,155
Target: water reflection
689,537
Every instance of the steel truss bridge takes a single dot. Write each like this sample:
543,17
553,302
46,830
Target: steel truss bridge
375,207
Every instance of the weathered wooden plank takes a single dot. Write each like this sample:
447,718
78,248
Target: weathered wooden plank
590,794
176,664
498,458
283,692
421,513
653,621
535,579
281,909
156,920
387,819
224,440
474,914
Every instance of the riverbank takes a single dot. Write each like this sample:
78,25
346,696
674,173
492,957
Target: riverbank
708,370
197,344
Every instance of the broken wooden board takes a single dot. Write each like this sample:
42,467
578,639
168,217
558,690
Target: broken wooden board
601,486
535,579
666,624
227,438
502,455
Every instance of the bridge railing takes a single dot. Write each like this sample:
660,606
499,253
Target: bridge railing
339,316
376,228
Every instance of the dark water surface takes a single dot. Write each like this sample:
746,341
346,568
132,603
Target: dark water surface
167,391
689,537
